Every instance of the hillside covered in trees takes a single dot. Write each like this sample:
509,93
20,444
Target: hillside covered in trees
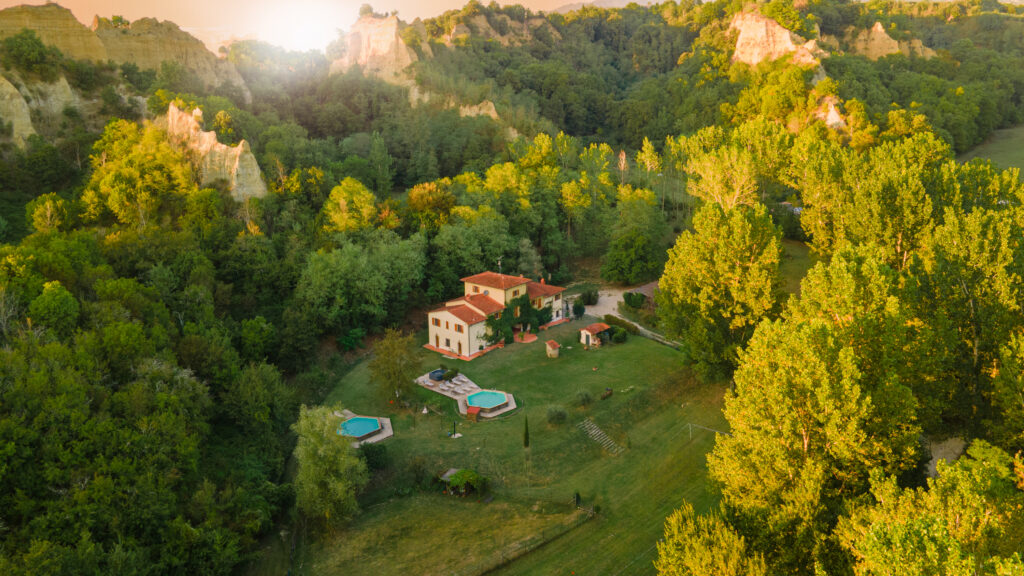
158,335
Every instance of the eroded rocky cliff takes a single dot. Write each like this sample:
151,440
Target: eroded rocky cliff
146,42
762,39
376,46
875,43
56,26
14,112
218,164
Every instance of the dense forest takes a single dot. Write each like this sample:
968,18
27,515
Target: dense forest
157,337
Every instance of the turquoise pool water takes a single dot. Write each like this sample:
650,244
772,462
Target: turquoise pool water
359,426
486,399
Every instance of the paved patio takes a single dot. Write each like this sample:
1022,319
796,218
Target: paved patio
458,389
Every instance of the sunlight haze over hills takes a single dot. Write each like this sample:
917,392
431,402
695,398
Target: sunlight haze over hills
295,25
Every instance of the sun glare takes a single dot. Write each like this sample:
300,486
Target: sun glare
303,24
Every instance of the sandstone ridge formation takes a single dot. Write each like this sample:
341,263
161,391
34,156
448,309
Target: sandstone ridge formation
234,166
875,43
375,45
146,42
762,39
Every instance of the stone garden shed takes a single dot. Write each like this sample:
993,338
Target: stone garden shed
591,335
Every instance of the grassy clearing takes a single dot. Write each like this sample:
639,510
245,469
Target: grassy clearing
1004,147
426,534
407,531
797,259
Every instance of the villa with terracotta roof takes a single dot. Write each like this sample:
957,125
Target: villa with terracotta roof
459,327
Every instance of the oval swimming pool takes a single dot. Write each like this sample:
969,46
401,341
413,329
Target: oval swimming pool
487,400
359,427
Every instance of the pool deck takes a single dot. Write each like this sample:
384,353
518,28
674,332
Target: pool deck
458,389
463,405
386,431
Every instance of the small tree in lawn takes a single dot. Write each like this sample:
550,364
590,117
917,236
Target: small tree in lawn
526,446
526,432
330,471
394,365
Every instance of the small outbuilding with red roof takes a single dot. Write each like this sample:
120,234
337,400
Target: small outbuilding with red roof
552,348
591,335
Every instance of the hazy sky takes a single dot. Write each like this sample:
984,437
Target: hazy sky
294,24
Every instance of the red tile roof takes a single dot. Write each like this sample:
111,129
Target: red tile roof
466,314
482,303
596,327
495,280
553,345
537,290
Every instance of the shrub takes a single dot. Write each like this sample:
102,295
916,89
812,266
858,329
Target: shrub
352,339
616,321
589,297
556,416
451,374
375,456
578,308
467,480
417,470
619,334
584,399
26,52
634,299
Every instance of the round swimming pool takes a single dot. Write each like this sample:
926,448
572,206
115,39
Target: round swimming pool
359,427
487,400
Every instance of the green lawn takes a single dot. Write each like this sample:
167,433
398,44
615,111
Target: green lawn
1004,147
415,532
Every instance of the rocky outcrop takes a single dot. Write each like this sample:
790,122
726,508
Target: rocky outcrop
149,42
50,99
233,166
15,112
375,45
875,43
56,26
828,112
762,39
146,42
485,108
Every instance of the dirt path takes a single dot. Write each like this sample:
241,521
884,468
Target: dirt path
608,303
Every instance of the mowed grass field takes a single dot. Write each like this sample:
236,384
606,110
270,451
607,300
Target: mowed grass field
410,531
1005,148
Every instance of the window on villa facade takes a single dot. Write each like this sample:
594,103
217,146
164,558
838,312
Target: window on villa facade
476,289
558,296
458,328
437,322
517,312
515,293
446,325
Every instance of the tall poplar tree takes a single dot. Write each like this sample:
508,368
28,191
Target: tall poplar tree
721,279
